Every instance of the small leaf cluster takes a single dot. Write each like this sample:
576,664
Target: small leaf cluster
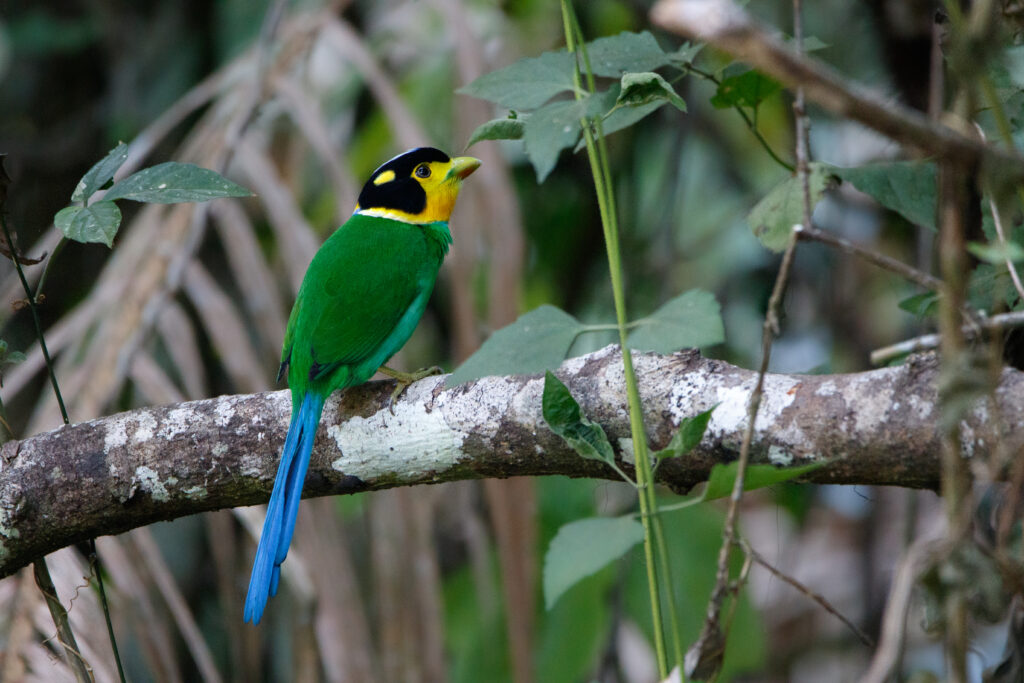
167,183
535,91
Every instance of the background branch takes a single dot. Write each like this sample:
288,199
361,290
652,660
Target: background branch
726,26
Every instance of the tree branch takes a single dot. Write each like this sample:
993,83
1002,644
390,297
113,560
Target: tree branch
128,470
726,26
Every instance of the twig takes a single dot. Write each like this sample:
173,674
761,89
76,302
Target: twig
726,26
703,660
918,277
73,655
992,325
920,556
817,597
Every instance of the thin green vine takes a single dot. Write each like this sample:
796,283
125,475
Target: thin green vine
94,559
597,154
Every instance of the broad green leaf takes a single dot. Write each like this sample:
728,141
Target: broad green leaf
563,415
97,222
773,218
996,252
906,187
556,126
747,89
723,477
583,547
614,56
692,319
691,431
638,89
537,341
922,305
173,182
97,176
497,129
526,84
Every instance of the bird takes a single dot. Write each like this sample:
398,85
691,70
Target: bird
360,299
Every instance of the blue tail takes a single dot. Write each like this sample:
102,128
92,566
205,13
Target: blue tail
283,507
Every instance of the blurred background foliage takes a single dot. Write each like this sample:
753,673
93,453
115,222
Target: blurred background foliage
299,102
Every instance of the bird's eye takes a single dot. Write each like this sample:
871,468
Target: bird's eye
422,171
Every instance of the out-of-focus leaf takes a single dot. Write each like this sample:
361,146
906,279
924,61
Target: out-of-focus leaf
773,218
686,53
906,187
747,89
692,319
639,89
996,252
723,477
97,176
497,129
97,222
564,417
526,84
583,547
922,305
173,182
537,341
691,431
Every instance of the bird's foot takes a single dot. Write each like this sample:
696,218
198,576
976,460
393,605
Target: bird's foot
404,379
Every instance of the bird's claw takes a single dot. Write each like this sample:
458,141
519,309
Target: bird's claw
404,379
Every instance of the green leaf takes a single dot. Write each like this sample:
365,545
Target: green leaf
530,82
613,56
922,305
906,187
773,218
723,477
556,126
97,176
638,89
173,182
497,129
563,415
747,89
526,84
691,431
996,252
583,547
537,341
97,222
692,319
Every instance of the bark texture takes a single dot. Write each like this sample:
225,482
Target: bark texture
128,470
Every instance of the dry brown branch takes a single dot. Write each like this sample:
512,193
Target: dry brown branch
134,468
725,25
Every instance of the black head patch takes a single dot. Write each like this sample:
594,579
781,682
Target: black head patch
403,192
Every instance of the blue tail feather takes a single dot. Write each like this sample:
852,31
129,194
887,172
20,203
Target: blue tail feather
283,507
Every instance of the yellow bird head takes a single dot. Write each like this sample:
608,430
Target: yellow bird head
418,186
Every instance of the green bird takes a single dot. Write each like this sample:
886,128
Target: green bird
360,300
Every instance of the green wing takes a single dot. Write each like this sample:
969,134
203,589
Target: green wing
359,298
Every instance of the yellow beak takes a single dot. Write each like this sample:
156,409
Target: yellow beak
462,167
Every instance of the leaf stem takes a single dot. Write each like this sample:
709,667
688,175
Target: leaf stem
752,125
599,168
